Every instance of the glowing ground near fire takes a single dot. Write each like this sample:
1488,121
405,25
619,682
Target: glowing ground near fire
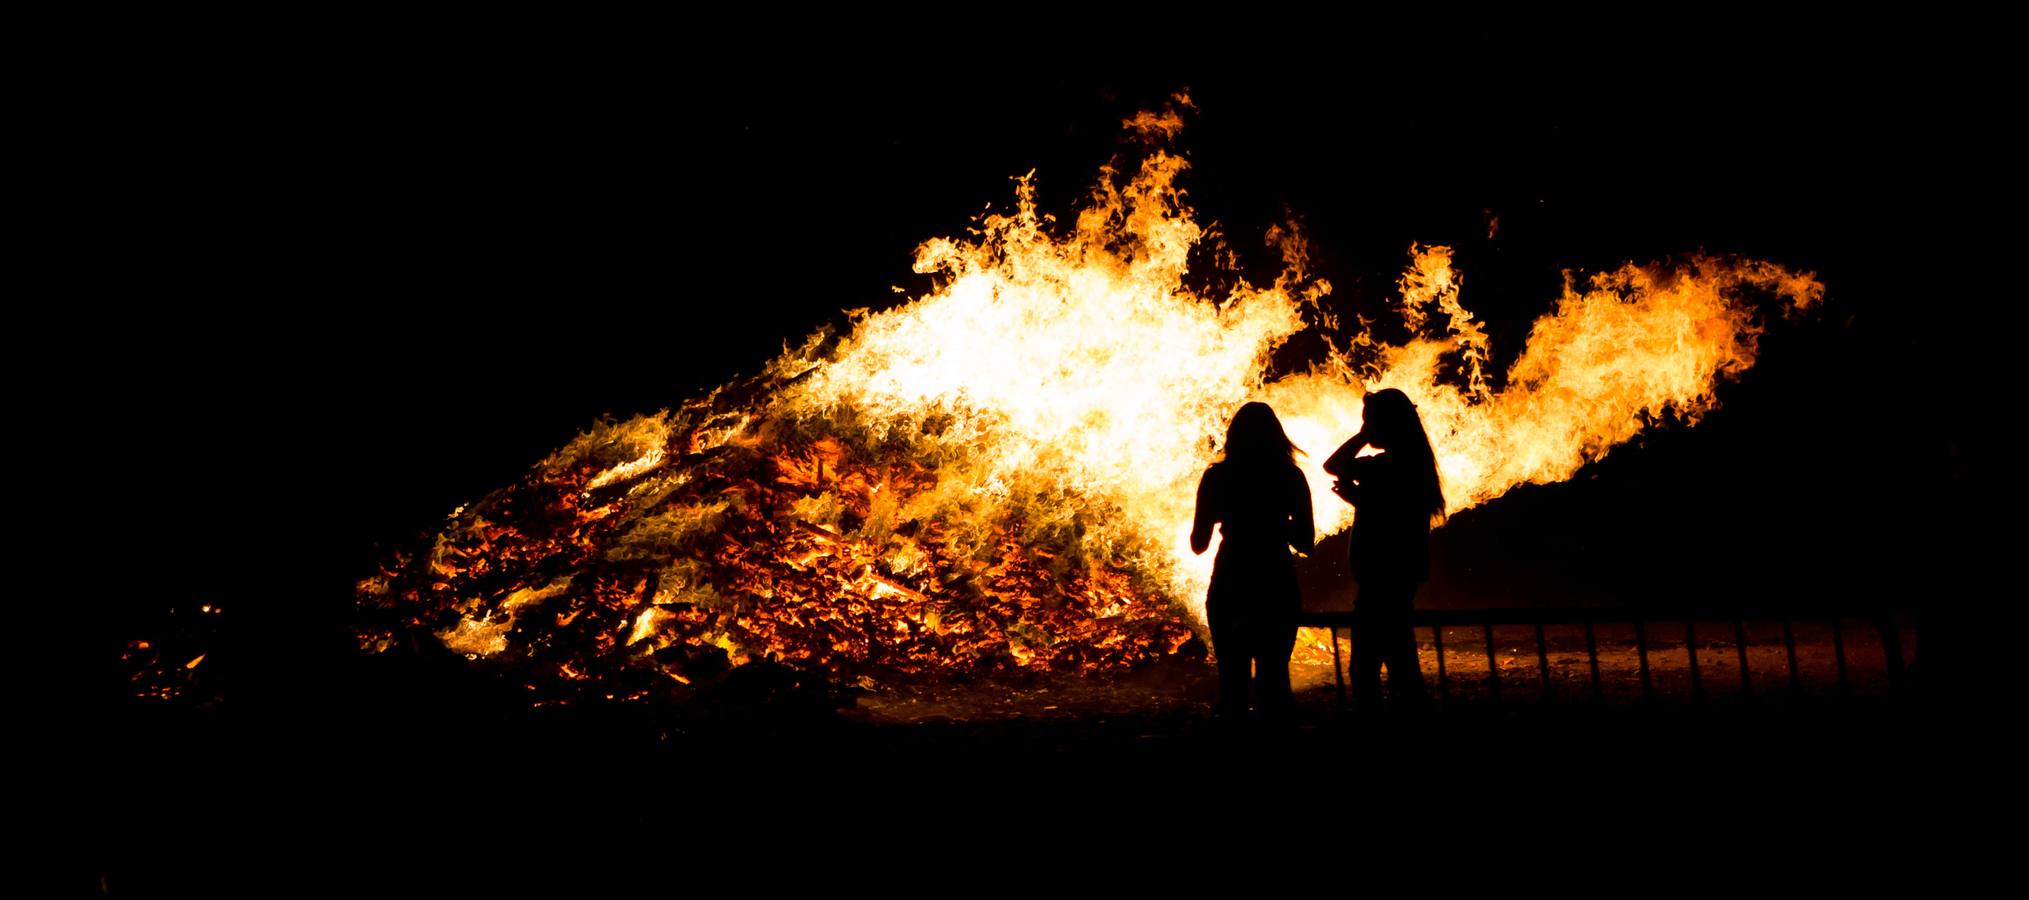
998,475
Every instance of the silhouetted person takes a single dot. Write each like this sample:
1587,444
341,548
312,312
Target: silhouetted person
1261,503
1397,496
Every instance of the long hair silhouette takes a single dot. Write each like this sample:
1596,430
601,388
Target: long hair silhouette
1392,424
1256,437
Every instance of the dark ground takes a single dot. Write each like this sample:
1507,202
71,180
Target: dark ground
398,787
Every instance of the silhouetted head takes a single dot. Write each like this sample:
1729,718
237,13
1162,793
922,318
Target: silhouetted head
1390,422
1256,437
1388,419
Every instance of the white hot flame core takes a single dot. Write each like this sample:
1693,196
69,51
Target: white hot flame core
1082,362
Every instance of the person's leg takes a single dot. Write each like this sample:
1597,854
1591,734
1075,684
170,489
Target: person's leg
1235,656
1364,667
1405,666
1384,608
1276,642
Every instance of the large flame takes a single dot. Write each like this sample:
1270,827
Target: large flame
1001,471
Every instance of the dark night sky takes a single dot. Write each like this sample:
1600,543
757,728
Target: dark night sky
376,289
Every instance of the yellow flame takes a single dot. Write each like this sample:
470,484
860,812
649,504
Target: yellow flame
1083,362
645,624
1078,364
625,451
633,468
486,635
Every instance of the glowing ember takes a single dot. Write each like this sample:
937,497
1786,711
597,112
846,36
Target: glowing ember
999,474
165,667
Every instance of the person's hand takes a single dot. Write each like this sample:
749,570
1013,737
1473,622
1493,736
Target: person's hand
1347,490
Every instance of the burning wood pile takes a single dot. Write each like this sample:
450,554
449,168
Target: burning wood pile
650,555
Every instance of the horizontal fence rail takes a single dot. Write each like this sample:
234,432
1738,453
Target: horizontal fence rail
1660,624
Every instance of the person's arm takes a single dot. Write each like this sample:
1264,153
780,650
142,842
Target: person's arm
1201,524
1302,525
1345,465
1341,460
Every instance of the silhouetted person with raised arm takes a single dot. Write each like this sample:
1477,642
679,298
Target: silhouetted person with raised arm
1261,503
1397,496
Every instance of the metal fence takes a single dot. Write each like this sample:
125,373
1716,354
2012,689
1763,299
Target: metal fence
1645,624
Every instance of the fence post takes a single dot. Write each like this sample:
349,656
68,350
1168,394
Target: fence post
1891,648
1493,662
1641,652
1839,654
1740,650
1339,673
1789,646
1592,654
1542,659
1437,638
1691,650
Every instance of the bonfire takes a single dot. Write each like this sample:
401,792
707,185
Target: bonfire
997,476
